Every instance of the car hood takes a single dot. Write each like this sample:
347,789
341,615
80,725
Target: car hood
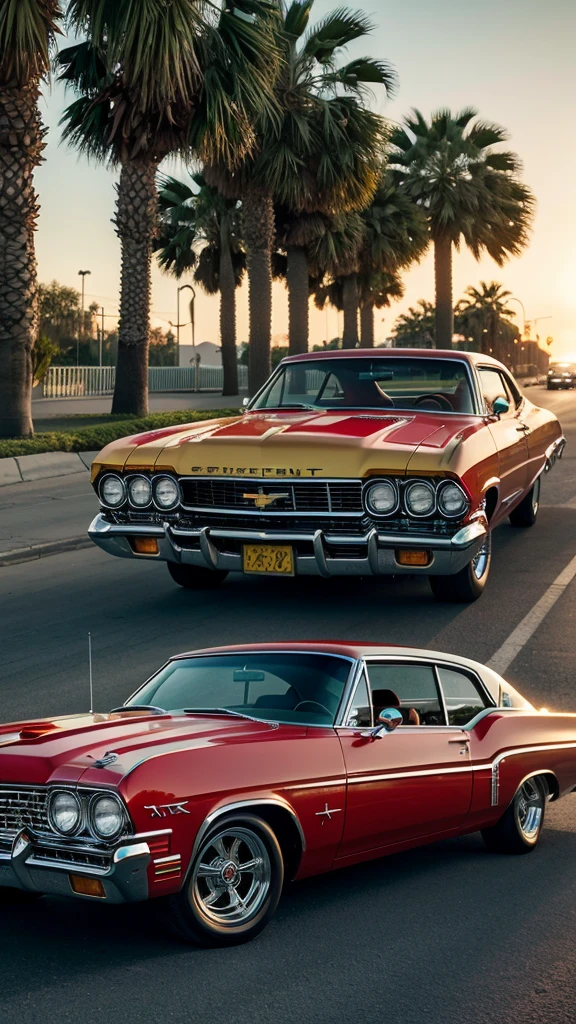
102,749
302,443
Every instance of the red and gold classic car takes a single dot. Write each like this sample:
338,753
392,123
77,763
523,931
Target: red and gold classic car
355,462
235,769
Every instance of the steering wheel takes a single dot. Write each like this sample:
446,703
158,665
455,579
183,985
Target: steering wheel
442,401
316,703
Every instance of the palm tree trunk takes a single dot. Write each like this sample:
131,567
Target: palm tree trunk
228,312
367,325
298,281
136,213
444,303
258,224
350,306
21,145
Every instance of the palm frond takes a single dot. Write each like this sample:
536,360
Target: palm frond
337,29
28,29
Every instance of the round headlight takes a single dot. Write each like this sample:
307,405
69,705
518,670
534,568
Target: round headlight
112,490
106,817
419,498
140,491
65,812
451,500
166,492
382,498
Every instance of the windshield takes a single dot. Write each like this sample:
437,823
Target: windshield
301,689
386,383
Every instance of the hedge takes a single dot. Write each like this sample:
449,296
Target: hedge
88,439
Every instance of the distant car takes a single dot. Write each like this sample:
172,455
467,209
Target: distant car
234,770
561,375
348,463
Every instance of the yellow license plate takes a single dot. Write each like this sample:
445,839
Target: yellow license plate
269,559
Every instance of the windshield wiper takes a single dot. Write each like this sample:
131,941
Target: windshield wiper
140,707
297,405
228,711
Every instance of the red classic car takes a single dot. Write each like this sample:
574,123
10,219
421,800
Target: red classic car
357,462
234,769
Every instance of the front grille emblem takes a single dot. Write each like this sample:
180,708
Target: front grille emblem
262,500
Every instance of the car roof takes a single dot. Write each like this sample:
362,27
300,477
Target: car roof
392,353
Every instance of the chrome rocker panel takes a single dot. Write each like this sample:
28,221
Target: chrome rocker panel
124,881
449,554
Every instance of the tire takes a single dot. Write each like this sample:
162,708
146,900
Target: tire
519,828
468,584
194,577
526,513
206,911
15,897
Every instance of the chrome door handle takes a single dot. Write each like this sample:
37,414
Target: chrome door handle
523,429
464,740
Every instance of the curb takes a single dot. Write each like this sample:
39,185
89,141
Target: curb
26,468
34,551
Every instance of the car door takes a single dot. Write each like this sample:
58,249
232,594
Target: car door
410,783
510,435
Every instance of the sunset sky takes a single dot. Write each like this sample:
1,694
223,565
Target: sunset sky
511,59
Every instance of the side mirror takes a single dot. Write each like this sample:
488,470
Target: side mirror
388,721
500,406
245,402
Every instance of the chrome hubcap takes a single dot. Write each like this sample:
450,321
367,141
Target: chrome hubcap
530,809
481,559
232,876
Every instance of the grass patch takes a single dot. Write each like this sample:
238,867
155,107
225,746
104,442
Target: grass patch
88,439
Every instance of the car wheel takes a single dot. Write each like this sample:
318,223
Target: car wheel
467,585
233,887
524,515
195,577
11,897
520,826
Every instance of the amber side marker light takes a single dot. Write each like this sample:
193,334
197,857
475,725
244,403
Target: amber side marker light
145,545
87,886
413,557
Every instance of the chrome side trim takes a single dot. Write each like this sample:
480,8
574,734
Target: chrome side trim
383,777
317,785
495,786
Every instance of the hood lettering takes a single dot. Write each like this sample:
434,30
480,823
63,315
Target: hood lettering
262,472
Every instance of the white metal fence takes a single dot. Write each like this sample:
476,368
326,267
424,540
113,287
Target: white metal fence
83,381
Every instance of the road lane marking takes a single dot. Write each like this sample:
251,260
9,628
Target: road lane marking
520,636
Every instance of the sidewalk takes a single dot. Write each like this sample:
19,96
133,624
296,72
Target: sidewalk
44,409
44,517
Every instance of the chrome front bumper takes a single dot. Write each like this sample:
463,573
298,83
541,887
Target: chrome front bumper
28,866
448,554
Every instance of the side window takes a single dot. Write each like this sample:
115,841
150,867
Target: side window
493,387
513,388
462,696
360,712
411,688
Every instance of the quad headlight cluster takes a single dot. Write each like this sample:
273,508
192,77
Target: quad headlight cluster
101,814
139,491
415,498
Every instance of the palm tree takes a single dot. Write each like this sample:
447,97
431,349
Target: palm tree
200,230
470,191
392,233
415,329
154,79
486,316
27,32
319,153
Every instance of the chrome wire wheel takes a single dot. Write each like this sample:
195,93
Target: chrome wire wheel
529,809
481,559
232,877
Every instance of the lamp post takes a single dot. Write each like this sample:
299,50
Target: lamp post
178,325
101,341
82,274
521,304
537,321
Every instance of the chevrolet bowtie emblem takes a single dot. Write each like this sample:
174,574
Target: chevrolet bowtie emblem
262,500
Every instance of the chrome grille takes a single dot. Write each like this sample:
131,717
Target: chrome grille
293,495
352,527
20,807
73,857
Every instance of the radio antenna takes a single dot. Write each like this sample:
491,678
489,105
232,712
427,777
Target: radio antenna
90,671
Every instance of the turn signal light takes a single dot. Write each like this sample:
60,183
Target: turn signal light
413,557
87,886
145,545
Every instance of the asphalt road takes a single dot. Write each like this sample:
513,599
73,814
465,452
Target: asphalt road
437,936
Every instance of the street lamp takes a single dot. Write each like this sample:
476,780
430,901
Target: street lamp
101,341
537,320
82,274
521,304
